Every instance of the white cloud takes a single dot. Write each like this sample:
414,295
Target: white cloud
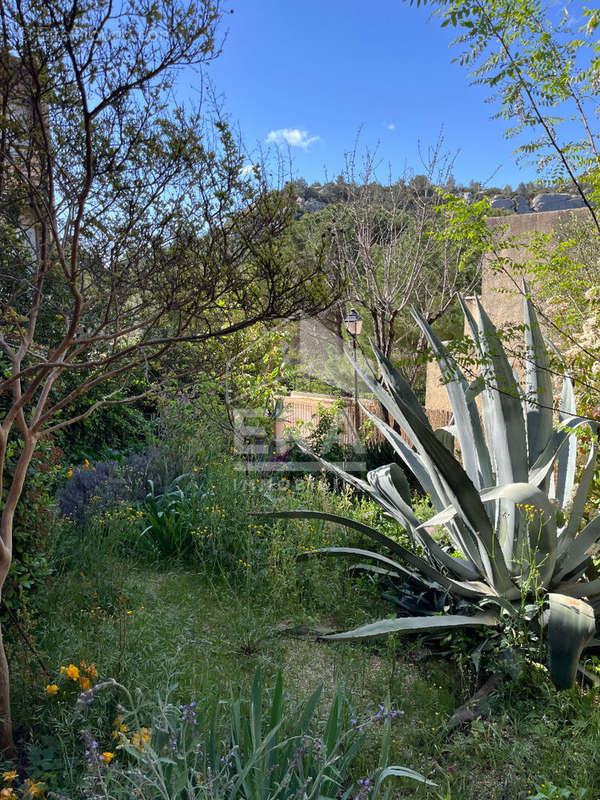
293,137
391,127
247,170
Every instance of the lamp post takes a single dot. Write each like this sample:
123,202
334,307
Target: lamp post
353,322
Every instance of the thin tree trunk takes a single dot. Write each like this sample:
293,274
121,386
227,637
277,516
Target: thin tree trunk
7,746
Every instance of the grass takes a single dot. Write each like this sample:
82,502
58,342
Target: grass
179,626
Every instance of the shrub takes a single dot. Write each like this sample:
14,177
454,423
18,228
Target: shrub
108,483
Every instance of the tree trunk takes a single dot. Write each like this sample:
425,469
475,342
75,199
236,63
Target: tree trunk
7,746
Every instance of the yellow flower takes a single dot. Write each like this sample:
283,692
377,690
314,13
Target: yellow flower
10,777
8,791
90,671
70,473
51,688
141,737
84,683
33,789
86,464
107,757
71,672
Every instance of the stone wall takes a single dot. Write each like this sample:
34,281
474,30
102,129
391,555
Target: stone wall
500,294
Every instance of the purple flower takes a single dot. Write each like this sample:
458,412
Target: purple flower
188,713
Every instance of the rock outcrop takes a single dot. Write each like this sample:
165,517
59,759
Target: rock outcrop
556,202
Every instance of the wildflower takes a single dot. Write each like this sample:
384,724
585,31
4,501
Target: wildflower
84,683
118,726
107,757
8,791
10,777
141,738
188,713
71,672
90,671
33,788
70,473
51,689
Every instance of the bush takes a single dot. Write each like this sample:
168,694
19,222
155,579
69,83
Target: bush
108,483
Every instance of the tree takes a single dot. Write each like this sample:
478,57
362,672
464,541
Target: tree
388,241
542,66
128,224
543,73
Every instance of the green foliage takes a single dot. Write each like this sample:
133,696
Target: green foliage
260,748
157,625
167,529
541,65
34,520
547,790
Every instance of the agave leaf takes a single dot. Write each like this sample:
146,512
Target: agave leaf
588,589
399,772
582,548
391,481
479,384
374,570
571,625
416,625
399,387
507,423
567,535
474,451
471,588
460,490
559,437
537,382
567,460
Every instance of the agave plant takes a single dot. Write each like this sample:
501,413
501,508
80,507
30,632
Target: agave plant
510,502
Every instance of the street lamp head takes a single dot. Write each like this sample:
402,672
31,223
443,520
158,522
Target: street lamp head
353,322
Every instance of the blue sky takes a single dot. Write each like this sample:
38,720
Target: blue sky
309,75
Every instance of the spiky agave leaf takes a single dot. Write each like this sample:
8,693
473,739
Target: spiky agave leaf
473,448
570,626
568,533
428,624
538,385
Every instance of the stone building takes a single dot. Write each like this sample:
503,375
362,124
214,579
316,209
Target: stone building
500,289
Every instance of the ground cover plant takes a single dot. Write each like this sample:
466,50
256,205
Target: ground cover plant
182,634
517,553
